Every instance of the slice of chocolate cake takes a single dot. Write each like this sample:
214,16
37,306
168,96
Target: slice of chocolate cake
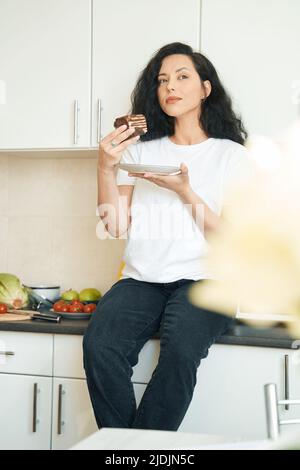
138,121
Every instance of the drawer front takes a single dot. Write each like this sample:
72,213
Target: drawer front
68,356
26,353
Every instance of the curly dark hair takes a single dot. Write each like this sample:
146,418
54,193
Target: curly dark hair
217,118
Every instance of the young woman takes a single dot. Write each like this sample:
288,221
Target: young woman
191,124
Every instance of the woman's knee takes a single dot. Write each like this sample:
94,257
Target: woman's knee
103,339
98,351
91,343
96,335
101,325
184,355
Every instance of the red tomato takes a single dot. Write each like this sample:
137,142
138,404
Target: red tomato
58,305
3,308
75,308
89,308
75,302
80,305
61,307
64,308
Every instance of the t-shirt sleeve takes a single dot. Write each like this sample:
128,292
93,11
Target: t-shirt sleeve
237,173
130,155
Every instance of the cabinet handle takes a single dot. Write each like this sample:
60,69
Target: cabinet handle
76,111
7,353
286,380
271,403
99,108
35,420
60,423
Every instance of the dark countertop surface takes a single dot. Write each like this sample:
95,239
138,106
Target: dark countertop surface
239,333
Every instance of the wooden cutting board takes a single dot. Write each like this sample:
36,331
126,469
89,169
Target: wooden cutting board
16,315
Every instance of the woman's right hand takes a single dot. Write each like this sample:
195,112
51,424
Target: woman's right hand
110,155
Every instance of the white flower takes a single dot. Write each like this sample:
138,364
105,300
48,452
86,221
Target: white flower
256,254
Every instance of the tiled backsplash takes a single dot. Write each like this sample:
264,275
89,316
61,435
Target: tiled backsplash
48,224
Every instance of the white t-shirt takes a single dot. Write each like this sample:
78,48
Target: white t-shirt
164,243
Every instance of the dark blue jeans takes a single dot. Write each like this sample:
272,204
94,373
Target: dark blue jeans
127,316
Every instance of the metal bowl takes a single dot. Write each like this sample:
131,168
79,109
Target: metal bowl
49,293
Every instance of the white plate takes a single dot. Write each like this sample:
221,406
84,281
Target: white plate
73,315
157,169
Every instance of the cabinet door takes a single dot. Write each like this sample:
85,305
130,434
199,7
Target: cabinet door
229,395
68,356
18,353
292,378
73,418
25,412
253,45
147,362
45,68
139,390
125,36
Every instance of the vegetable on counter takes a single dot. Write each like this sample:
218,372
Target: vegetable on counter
12,292
78,302
75,306
3,308
89,308
85,295
89,295
70,294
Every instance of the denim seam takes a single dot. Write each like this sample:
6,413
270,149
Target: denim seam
140,333
133,399
150,384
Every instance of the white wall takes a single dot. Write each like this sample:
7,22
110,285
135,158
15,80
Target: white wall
48,224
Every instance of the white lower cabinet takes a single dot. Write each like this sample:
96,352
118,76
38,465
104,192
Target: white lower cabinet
26,353
25,412
45,402
139,392
229,395
73,417
25,390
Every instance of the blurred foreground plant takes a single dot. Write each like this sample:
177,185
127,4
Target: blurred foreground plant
255,255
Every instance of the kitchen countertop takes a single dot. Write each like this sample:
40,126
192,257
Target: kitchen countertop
146,439
239,333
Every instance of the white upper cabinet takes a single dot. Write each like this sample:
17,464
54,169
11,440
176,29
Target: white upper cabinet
125,36
59,58
255,48
44,73
67,69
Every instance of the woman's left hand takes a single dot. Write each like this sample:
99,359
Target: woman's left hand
178,183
